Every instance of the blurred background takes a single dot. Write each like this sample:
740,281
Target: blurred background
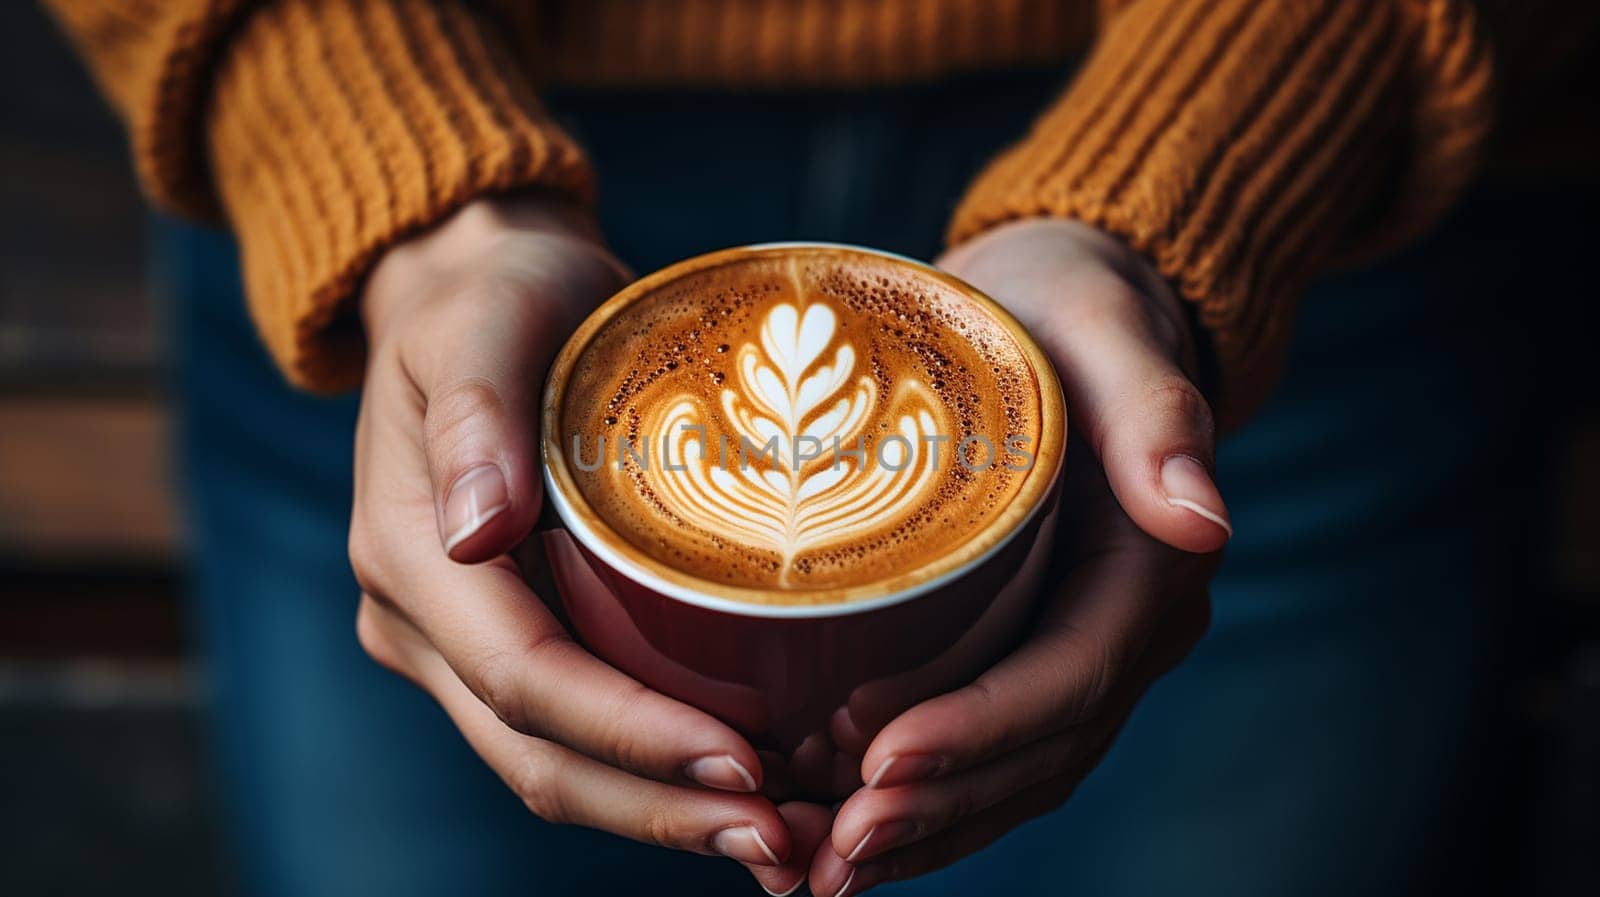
103,782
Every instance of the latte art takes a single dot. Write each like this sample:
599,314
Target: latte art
796,423
793,403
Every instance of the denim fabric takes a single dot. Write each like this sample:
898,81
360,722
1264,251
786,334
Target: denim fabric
1318,741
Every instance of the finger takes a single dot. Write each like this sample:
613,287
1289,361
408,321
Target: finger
479,373
875,704
876,820
1115,332
1148,424
508,647
831,875
1086,645
819,771
561,786
808,831
516,658
849,735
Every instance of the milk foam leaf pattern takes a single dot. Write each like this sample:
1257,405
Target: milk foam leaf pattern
788,477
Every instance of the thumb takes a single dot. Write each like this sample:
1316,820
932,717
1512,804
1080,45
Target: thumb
480,450
481,381
1145,420
1115,333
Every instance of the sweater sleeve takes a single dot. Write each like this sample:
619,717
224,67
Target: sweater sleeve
1246,145
324,130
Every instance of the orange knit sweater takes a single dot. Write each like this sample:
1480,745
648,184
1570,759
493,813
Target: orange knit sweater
1242,145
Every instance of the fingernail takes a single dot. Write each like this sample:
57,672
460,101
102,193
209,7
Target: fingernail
744,844
476,497
900,769
883,837
860,880
785,893
722,772
1189,486
861,845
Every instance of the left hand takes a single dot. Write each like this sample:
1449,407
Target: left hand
1142,523
462,322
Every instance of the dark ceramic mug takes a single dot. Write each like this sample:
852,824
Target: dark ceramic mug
778,672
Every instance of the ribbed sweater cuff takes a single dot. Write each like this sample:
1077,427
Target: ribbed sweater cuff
1239,143
337,127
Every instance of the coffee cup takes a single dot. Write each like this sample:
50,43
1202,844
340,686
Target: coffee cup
772,593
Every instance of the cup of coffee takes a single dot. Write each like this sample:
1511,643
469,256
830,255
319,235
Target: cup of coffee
791,478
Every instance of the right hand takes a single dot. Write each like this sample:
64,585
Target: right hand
462,323
1142,526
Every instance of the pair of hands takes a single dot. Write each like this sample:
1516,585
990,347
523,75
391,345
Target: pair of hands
462,323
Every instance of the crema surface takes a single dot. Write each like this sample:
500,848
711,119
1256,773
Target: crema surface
815,421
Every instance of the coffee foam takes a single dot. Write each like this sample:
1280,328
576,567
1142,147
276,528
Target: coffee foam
708,379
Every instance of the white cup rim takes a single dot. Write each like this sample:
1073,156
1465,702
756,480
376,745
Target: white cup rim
577,523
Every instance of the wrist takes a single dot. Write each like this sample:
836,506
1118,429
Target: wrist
523,237
1082,259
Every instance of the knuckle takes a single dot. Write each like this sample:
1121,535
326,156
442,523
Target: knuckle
1094,667
365,557
534,779
1172,397
618,734
453,413
994,728
498,686
373,637
975,703
662,827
